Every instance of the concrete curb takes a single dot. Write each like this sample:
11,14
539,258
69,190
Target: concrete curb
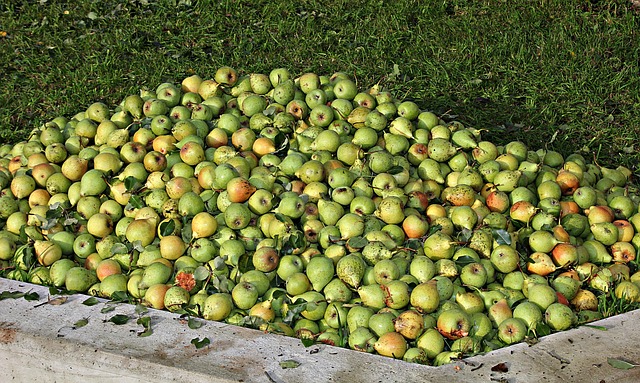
38,341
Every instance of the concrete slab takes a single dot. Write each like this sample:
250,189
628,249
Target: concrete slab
38,341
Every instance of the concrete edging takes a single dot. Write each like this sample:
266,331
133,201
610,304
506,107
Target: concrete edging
38,342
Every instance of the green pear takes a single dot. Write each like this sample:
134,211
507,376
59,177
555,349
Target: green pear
155,273
350,269
439,246
79,279
440,149
320,271
337,291
92,183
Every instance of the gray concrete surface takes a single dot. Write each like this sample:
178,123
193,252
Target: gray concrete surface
38,342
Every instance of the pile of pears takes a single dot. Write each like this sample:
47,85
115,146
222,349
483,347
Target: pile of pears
309,207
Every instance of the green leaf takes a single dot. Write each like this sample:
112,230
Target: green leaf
137,245
358,242
11,295
464,260
54,290
434,229
290,363
167,227
119,248
294,311
107,309
146,323
201,273
119,296
307,342
601,328
199,343
81,323
218,263
31,297
141,309
136,201
119,319
131,183
194,323
90,301
465,234
71,221
395,74
395,170
620,364
542,329
51,222
502,236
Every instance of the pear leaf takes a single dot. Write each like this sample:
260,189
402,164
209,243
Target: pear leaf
141,309
542,329
81,323
601,328
31,297
293,312
167,227
193,323
11,295
290,363
137,245
119,248
131,183
146,323
358,242
91,301
502,237
199,343
464,260
434,229
307,342
136,202
620,364
395,170
119,296
119,319
107,308
201,273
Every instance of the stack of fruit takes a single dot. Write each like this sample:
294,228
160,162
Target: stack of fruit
314,209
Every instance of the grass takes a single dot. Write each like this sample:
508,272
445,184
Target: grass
558,74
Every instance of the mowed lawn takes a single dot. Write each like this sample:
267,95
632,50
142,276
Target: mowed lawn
560,74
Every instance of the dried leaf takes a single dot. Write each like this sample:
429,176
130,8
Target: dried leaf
500,367
57,301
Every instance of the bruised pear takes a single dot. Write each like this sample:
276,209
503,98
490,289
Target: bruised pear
350,269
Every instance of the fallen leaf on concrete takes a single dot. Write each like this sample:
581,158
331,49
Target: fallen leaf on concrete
289,363
621,364
500,367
